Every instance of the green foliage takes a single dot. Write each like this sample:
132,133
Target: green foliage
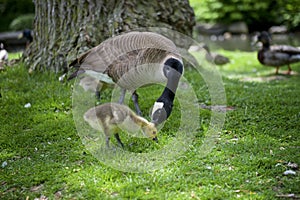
22,22
11,9
45,156
257,14
290,12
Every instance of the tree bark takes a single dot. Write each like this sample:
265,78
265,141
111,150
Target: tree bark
63,29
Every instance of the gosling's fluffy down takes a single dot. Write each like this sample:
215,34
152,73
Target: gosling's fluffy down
112,117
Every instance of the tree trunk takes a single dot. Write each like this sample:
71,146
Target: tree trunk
63,29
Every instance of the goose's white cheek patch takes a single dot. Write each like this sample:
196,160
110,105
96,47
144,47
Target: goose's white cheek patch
157,105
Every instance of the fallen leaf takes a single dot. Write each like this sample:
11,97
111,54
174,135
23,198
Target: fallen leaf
36,188
4,164
289,172
287,196
58,195
114,194
293,165
27,105
42,198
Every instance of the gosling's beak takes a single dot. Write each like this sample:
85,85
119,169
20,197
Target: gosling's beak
155,139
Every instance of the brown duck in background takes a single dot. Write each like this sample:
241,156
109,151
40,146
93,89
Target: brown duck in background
111,118
276,55
215,58
211,57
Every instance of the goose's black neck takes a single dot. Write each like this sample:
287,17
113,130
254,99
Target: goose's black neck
167,98
165,102
173,70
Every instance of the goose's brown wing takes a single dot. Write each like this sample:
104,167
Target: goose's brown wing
105,54
123,64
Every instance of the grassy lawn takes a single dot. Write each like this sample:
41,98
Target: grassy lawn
42,154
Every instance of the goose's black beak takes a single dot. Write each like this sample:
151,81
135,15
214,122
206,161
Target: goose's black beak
155,139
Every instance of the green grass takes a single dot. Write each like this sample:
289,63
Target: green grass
45,155
15,55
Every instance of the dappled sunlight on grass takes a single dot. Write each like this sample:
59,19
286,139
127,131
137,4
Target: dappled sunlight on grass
15,55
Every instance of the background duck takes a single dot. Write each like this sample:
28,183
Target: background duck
132,60
215,58
276,55
211,57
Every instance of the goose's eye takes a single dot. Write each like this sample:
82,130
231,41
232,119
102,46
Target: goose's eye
154,132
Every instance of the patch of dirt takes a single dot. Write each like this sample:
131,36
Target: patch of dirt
275,77
218,108
264,79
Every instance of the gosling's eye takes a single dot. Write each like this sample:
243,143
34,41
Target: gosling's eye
154,132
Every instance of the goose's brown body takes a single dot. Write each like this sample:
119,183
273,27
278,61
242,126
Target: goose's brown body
133,60
142,52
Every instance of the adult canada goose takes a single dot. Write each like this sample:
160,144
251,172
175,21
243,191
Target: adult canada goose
276,55
132,60
112,117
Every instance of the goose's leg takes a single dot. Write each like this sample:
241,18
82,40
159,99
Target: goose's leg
119,140
290,70
135,98
107,135
97,93
122,97
277,68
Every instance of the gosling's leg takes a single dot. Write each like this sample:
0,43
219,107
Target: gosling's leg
135,98
122,97
119,140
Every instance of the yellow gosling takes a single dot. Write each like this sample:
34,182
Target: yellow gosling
112,117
